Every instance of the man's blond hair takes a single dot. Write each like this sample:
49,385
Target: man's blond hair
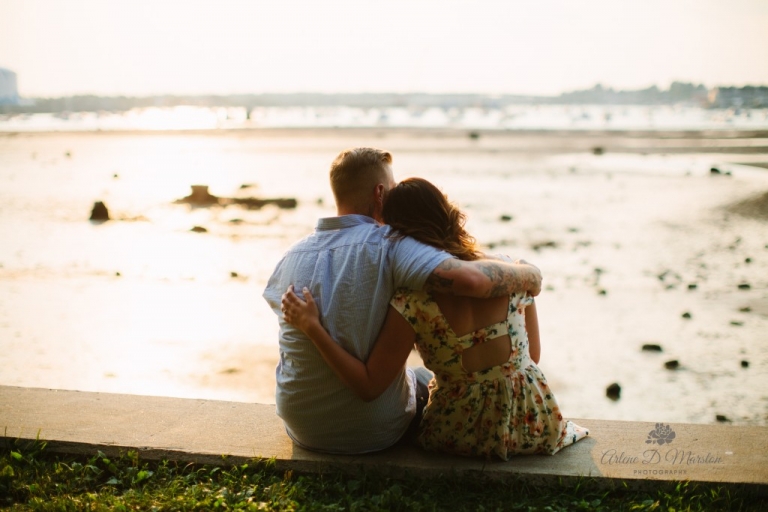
355,173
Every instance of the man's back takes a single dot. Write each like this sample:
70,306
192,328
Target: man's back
352,268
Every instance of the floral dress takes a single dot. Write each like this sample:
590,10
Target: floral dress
506,410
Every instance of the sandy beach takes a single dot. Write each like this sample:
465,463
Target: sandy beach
644,237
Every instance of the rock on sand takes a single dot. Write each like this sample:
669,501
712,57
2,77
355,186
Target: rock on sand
99,211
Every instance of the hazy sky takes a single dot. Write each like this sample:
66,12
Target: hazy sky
142,47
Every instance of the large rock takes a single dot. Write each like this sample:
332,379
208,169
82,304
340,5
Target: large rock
254,203
99,211
199,197
613,391
202,198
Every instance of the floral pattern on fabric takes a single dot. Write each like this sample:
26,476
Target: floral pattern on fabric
503,410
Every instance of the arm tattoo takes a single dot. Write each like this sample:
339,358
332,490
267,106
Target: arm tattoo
503,278
503,281
500,280
439,283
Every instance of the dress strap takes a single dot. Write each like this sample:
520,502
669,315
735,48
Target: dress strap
491,332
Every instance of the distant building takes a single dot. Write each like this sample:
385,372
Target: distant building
746,97
9,94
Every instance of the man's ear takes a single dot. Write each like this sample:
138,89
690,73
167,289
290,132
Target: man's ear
378,193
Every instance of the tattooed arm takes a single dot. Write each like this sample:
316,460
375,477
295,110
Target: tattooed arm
484,278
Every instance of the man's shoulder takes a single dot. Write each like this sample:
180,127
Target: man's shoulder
301,244
409,245
350,237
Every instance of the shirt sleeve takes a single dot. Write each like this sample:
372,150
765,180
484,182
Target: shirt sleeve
412,262
502,257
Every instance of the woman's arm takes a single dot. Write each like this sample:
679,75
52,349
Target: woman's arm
370,379
532,328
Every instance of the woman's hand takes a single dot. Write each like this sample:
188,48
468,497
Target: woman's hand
297,312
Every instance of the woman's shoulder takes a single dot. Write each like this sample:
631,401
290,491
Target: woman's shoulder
407,299
408,295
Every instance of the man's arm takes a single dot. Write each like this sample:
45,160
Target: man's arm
484,278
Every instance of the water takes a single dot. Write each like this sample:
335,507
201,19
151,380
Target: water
142,304
511,117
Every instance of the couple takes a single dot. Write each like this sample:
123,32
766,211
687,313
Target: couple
371,291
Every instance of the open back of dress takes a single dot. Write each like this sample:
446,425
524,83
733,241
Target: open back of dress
504,409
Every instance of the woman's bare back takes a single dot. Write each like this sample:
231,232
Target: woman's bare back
466,315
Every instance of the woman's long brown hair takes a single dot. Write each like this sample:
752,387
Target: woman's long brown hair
417,208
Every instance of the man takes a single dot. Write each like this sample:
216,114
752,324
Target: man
352,268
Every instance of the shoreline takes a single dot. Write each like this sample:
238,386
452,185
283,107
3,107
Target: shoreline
635,250
685,133
462,140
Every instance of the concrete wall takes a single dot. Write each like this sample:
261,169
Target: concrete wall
202,431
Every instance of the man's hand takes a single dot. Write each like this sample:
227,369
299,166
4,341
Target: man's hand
534,288
537,278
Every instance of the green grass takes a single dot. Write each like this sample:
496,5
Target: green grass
33,478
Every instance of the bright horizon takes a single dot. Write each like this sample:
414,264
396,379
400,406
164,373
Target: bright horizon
145,47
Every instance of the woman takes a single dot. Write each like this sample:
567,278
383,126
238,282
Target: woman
488,395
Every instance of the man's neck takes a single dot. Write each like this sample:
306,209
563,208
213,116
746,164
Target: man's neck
342,210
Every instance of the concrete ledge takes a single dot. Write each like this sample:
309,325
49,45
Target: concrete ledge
205,431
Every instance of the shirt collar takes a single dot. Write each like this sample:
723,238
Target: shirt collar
344,221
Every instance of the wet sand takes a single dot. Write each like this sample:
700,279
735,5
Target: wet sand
640,243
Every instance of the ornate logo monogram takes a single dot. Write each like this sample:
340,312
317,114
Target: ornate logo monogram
662,434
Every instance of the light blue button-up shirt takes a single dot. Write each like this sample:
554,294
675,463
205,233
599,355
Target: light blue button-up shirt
352,267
